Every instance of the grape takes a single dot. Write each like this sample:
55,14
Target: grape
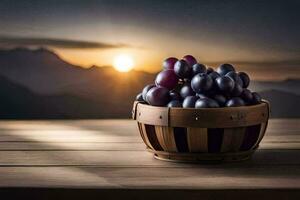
206,103
182,69
174,103
201,83
186,90
237,90
167,79
146,89
247,95
256,98
209,70
214,75
245,78
175,95
190,60
225,84
199,68
202,96
139,97
189,101
225,68
235,102
169,63
220,99
158,96
235,77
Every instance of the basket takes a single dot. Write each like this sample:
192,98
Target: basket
207,134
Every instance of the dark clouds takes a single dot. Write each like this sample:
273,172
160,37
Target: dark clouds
6,41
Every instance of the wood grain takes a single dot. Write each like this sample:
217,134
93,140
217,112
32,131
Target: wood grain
197,139
109,155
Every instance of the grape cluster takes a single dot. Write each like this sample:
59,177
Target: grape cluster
189,84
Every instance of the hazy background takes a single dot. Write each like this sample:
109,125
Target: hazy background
56,57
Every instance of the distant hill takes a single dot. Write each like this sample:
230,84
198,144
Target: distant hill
17,102
39,84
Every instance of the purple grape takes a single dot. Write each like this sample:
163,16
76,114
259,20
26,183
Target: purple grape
245,78
225,84
190,60
235,102
206,103
167,79
235,77
146,89
220,99
201,83
225,68
182,69
199,68
256,98
189,101
186,90
158,96
174,103
169,63
139,97
174,95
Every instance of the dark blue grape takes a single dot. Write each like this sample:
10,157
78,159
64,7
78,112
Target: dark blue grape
235,102
190,60
206,103
186,90
174,103
182,69
220,99
199,68
247,95
167,79
201,83
201,96
139,97
189,102
256,98
235,77
237,90
209,70
245,78
225,84
158,96
169,63
174,95
225,68
146,89
214,75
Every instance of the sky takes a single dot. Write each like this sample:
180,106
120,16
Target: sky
262,37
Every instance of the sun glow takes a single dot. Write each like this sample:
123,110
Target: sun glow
123,63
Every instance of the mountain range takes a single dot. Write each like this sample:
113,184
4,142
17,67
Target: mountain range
39,84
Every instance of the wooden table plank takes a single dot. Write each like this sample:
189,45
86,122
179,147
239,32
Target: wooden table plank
109,156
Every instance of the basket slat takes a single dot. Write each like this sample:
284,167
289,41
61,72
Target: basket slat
262,132
165,136
197,139
232,139
144,132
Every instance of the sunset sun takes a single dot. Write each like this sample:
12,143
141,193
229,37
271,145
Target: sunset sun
123,63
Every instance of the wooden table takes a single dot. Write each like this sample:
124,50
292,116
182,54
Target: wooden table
106,159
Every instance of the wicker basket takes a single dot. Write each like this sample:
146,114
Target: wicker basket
209,134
